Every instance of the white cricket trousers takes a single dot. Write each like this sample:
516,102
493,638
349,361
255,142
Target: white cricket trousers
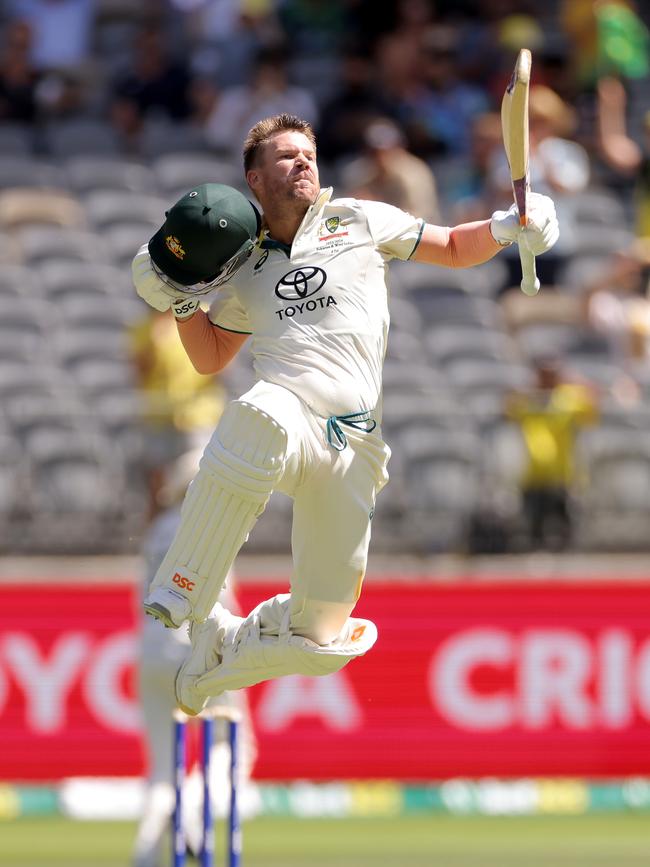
334,495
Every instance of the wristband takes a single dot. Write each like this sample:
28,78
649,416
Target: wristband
183,308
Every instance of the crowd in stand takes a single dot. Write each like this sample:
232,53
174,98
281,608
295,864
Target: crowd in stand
405,100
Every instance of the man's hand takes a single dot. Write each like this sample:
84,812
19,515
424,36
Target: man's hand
538,236
155,292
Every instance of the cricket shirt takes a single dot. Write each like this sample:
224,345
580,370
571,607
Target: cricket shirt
318,310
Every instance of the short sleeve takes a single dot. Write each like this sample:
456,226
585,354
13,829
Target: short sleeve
394,231
227,312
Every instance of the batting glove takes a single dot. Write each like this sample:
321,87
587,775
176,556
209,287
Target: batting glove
155,292
543,229
538,236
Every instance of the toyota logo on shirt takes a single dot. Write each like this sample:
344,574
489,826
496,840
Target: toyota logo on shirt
300,283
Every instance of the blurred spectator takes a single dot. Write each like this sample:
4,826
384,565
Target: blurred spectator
608,38
226,35
358,100
398,51
617,304
180,406
387,172
156,84
473,191
438,113
313,27
269,92
62,31
626,157
61,46
550,417
18,76
161,652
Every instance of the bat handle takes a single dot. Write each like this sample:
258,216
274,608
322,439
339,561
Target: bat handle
529,282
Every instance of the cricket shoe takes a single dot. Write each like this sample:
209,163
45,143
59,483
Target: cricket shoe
168,606
208,639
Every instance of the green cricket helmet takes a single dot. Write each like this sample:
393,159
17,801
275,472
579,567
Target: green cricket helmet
207,236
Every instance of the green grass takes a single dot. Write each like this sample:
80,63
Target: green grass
423,841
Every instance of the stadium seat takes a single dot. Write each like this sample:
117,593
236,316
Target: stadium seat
441,473
177,173
94,173
17,377
83,135
479,374
450,342
17,281
16,139
612,509
76,492
404,315
27,171
49,244
160,137
122,242
599,206
63,280
107,208
13,488
31,315
404,377
22,345
20,206
406,347
103,375
91,311
405,409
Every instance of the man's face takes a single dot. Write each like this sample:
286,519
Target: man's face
286,171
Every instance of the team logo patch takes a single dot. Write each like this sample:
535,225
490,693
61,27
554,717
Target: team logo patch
300,283
332,224
174,246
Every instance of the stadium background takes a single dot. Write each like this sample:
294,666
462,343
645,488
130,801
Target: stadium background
512,677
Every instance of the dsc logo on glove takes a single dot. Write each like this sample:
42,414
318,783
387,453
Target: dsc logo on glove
183,582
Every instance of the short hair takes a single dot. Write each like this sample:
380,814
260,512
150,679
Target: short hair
263,130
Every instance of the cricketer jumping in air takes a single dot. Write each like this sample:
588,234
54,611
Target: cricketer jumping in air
307,284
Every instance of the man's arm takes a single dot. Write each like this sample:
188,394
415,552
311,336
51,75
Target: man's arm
470,244
208,347
461,247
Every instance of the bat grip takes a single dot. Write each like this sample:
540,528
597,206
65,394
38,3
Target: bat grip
529,281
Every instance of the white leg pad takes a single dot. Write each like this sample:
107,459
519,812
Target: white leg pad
251,656
239,469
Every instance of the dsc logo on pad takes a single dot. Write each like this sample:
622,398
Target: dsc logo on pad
183,582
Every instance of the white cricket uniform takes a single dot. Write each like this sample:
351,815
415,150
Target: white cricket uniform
318,316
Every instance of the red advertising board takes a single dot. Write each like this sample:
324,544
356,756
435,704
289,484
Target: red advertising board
504,680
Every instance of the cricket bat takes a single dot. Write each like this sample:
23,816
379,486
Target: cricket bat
514,125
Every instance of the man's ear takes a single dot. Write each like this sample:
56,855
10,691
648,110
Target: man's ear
252,179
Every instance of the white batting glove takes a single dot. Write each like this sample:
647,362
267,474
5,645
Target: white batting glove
155,292
538,236
543,229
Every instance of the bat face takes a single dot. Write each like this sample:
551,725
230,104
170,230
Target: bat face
514,124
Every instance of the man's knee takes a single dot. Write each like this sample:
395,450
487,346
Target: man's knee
247,451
